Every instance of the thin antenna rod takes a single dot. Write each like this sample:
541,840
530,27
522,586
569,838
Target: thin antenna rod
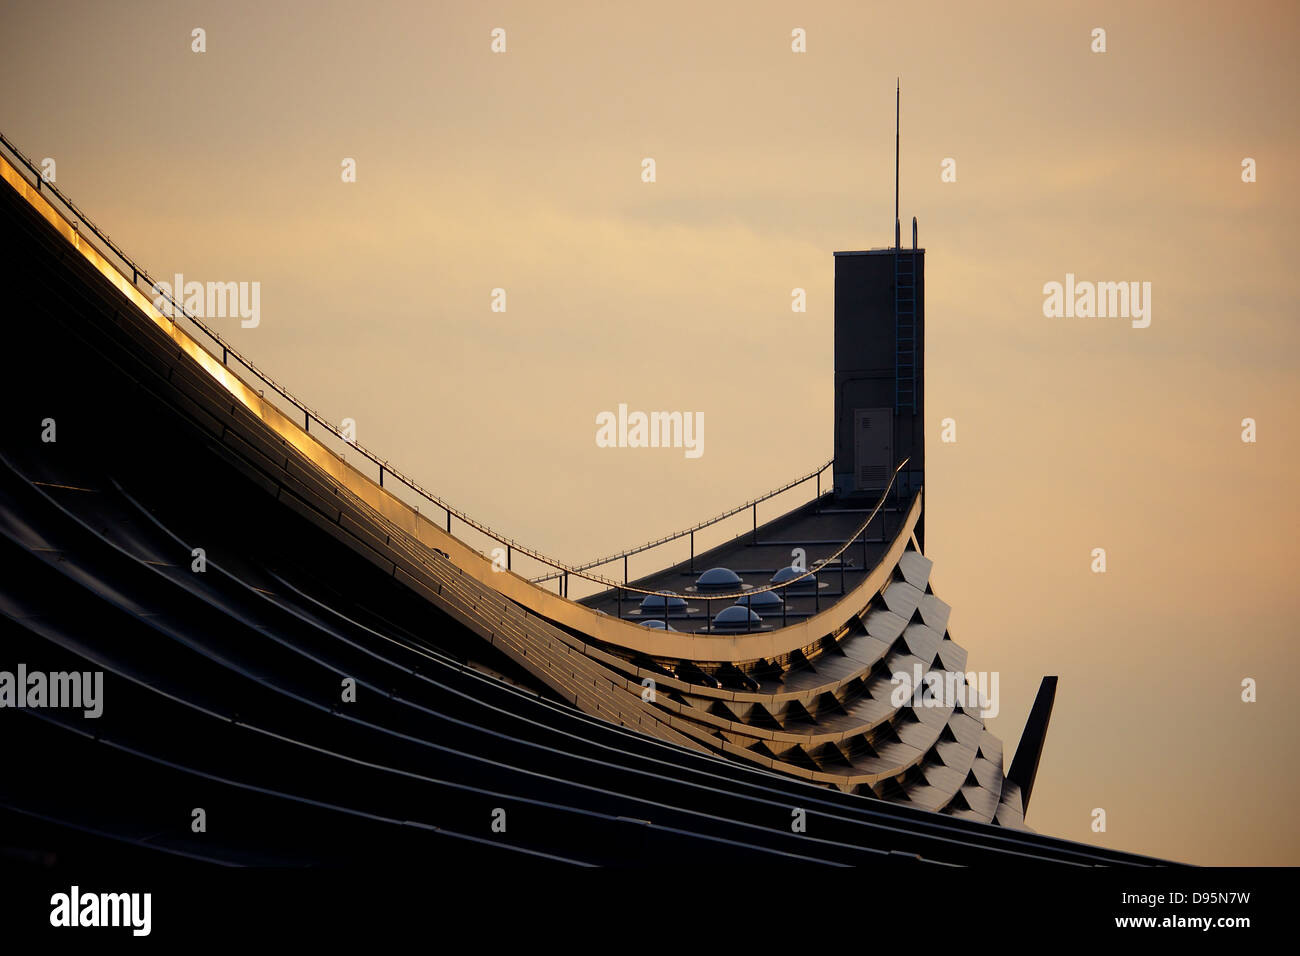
898,99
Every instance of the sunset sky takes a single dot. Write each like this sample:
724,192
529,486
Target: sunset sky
522,170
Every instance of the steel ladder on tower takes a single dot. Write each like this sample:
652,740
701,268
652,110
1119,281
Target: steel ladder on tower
905,331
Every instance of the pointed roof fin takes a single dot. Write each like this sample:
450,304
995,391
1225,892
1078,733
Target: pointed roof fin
1024,767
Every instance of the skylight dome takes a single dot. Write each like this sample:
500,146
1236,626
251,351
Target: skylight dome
736,616
718,579
790,573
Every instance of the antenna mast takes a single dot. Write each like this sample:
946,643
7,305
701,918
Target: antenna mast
898,97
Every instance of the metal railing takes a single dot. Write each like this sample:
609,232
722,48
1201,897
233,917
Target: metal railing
127,265
751,504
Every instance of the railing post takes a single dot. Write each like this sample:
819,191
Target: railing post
381,476
625,569
449,521
692,566
507,557
754,539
